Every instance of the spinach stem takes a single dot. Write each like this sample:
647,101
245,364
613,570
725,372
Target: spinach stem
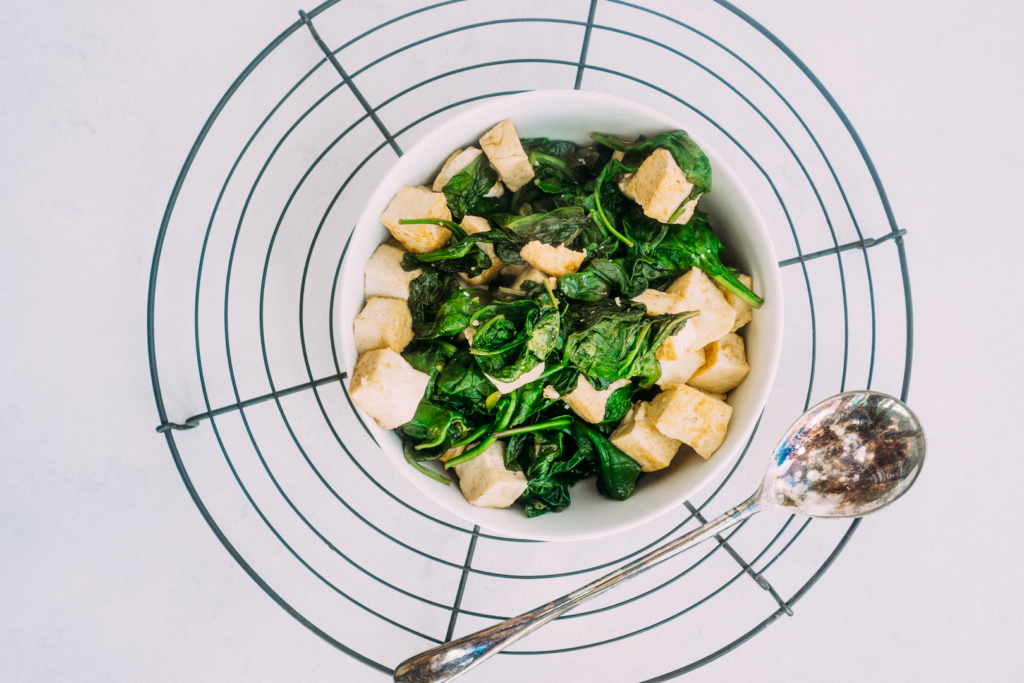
426,470
604,219
551,293
471,453
473,436
457,230
555,423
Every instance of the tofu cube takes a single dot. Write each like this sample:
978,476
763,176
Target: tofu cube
659,303
716,315
417,202
383,323
725,366
505,152
525,378
452,452
689,415
486,483
744,312
681,369
679,345
459,160
636,437
473,225
659,186
387,387
720,397
384,275
589,403
556,261
514,271
533,275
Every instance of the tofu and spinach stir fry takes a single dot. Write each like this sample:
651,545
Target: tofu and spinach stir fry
548,312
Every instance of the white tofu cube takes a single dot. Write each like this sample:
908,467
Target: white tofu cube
417,202
383,323
678,346
505,152
525,378
725,365
452,452
681,369
384,275
659,303
556,261
588,402
659,186
387,387
473,225
459,159
486,483
744,311
686,414
636,437
716,315
720,397
534,275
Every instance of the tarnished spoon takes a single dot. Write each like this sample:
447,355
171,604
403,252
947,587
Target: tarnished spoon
848,456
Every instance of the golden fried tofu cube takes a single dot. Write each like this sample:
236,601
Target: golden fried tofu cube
744,311
588,402
383,274
556,261
473,225
716,315
534,275
387,387
659,186
383,323
636,437
725,365
417,202
486,483
691,416
505,152
680,369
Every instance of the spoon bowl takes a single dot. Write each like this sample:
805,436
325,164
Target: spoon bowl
848,456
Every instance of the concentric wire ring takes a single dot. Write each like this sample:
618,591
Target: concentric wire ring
296,523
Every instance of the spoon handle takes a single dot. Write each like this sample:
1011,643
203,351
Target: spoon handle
450,660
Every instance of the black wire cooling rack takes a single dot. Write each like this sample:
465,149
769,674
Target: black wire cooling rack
242,333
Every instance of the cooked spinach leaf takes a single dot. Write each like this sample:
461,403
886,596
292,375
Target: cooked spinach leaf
617,471
451,317
609,341
465,191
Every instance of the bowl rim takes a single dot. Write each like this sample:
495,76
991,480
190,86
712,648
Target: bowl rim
470,120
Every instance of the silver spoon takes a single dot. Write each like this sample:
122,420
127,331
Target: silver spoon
848,456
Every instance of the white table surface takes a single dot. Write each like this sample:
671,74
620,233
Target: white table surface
108,572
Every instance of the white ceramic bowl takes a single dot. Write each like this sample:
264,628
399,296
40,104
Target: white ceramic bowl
573,115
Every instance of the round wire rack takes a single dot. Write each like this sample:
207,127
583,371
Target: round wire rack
253,403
